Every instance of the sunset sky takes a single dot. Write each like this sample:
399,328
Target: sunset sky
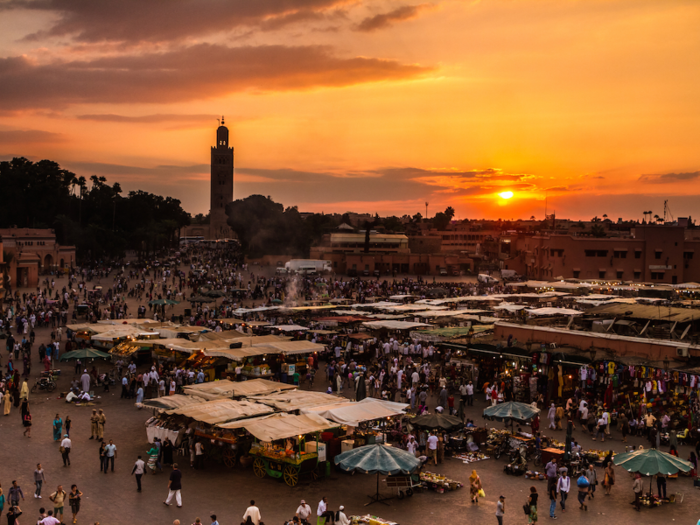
352,105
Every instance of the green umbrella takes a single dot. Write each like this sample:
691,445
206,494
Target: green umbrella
277,301
200,299
651,462
441,421
511,411
214,293
377,459
162,302
85,353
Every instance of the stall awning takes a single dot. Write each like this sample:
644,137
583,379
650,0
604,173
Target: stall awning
353,414
393,325
172,402
297,399
282,426
289,328
290,347
222,411
257,387
211,390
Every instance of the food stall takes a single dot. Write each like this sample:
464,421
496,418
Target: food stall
369,519
438,482
282,448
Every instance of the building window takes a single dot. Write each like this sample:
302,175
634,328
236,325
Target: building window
601,275
620,254
637,254
619,274
657,254
590,253
602,253
657,276
637,275
577,273
687,255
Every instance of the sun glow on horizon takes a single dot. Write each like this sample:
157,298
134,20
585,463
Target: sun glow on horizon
506,195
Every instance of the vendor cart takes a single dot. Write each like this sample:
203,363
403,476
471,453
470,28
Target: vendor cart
289,467
404,485
223,448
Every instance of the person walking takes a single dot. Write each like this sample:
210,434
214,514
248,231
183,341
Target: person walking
101,453
15,493
637,489
93,424
592,477
27,422
433,446
563,487
475,486
609,478
58,498
39,479
500,509
74,500
532,502
2,500
139,470
65,450
175,487
57,427
552,490
110,455
583,490
7,399
253,513
551,415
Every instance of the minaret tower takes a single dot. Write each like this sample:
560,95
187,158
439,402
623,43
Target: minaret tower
221,184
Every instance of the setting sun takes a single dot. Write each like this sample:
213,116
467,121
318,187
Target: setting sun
506,195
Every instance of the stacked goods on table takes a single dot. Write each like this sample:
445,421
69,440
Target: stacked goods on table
438,482
471,457
370,520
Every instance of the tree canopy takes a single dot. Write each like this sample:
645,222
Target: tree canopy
87,213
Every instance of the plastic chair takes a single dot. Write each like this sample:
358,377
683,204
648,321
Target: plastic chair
320,520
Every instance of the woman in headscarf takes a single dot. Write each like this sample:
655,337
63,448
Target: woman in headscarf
608,478
551,415
637,488
24,393
474,486
7,402
57,426
153,458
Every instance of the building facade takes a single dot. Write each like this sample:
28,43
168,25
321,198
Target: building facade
31,252
650,253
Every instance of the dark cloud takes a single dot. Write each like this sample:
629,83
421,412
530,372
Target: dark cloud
163,172
384,20
197,72
670,177
148,119
160,21
28,136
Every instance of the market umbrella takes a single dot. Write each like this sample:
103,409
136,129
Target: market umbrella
378,459
441,421
651,462
277,301
85,353
511,411
214,293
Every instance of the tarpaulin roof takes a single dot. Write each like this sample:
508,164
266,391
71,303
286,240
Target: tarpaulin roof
282,426
297,399
353,414
290,347
257,387
290,327
393,325
640,311
221,411
212,389
171,402
554,311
